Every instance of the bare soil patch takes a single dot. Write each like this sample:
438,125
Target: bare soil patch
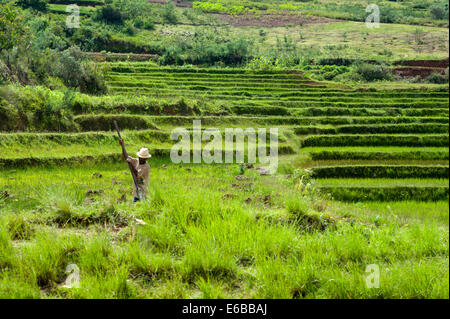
271,20
422,72
424,63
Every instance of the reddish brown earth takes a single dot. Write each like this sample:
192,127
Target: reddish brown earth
420,68
270,20
424,63
422,72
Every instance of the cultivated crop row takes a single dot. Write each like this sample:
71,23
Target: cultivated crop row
437,140
423,128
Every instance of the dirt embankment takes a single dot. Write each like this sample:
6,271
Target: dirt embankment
424,63
420,68
410,72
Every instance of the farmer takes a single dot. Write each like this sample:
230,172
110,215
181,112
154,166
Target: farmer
142,172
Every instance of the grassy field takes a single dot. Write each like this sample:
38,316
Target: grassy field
275,245
342,39
345,39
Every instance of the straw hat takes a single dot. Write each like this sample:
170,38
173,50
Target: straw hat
143,153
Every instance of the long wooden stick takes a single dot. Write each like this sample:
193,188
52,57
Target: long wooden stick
132,169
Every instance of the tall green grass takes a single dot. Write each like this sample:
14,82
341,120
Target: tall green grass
202,238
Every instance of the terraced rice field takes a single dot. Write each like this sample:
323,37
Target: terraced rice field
338,133
357,135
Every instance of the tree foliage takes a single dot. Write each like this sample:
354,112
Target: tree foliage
11,26
39,5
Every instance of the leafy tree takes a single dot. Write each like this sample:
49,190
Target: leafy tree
76,72
11,27
110,14
439,11
169,13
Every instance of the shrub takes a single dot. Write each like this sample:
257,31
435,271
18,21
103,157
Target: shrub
261,64
437,78
349,77
373,72
9,116
35,108
110,14
147,24
169,13
53,115
129,28
92,81
172,55
439,12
